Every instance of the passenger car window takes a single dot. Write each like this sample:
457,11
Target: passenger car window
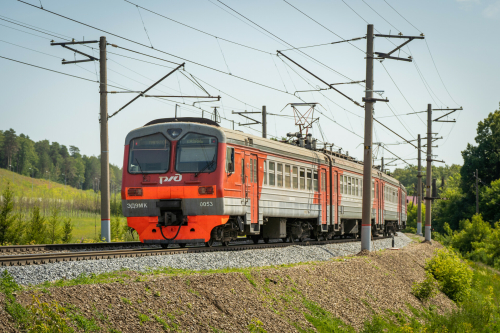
279,175
295,177
149,154
287,176
315,181
309,180
271,174
196,153
230,159
302,179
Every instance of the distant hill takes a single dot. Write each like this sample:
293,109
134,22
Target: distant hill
24,186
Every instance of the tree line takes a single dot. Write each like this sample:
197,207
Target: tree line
454,218
456,184
53,161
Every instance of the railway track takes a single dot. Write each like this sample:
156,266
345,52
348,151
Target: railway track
45,258
66,247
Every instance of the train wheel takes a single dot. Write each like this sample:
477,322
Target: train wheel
209,243
255,239
225,243
266,240
284,239
164,246
301,239
182,245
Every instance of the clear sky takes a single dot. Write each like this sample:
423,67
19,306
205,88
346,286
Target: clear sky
462,37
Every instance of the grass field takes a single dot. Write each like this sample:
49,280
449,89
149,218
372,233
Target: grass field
76,204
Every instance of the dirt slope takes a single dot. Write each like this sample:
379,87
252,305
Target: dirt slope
269,299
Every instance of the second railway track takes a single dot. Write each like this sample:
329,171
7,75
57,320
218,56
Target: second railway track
46,258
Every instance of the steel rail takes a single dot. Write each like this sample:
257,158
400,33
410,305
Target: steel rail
62,247
45,258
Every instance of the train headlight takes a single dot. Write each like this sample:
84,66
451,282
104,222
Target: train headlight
134,192
206,190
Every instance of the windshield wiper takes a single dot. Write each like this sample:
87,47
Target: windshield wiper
208,165
139,164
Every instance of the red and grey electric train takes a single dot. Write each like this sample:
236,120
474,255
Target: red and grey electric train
188,180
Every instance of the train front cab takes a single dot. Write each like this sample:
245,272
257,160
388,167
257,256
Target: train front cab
172,182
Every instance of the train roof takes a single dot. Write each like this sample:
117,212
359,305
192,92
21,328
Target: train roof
280,148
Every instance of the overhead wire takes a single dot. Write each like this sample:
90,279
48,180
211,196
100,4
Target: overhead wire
169,53
198,30
156,49
403,17
115,86
317,61
146,30
322,26
381,16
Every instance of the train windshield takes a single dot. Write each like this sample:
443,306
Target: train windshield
149,154
196,153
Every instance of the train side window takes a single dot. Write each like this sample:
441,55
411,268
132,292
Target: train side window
302,179
309,180
350,185
265,172
295,177
272,180
341,184
287,176
230,159
315,181
279,175
357,188
345,185
361,187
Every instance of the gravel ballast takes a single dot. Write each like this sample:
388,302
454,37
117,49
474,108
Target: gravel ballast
36,274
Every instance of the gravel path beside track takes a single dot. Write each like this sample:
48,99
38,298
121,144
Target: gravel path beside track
37,274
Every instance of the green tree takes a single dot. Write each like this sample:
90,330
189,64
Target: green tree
67,230
36,229
54,232
489,205
485,157
10,146
7,218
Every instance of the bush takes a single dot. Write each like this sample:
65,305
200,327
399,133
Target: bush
453,275
426,289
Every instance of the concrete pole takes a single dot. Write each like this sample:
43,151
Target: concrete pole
477,192
264,122
419,190
105,204
366,222
428,201
382,167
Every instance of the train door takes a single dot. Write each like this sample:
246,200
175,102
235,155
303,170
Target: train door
335,200
252,187
323,198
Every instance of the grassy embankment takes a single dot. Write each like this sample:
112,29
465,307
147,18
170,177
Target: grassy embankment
362,293
80,206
